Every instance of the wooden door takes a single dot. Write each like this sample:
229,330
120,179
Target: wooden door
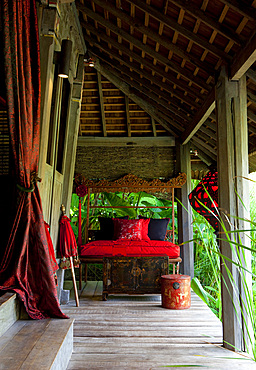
56,154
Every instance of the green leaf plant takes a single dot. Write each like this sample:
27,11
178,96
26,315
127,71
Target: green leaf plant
208,257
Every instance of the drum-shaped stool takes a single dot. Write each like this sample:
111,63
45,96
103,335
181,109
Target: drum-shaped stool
175,290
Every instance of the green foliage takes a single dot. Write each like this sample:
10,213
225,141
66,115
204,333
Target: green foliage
117,201
207,281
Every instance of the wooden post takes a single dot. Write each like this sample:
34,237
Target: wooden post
74,281
87,215
185,228
103,118
232,140
173,217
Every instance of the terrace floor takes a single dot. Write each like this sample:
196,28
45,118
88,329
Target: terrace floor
135,332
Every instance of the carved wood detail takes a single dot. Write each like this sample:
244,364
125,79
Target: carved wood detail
131,183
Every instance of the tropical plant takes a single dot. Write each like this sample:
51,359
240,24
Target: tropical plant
208,286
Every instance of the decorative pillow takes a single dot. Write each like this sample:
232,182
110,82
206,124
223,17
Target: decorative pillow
157,228
128,229
144,230
107,228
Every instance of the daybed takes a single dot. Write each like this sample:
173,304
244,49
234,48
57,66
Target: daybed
129,238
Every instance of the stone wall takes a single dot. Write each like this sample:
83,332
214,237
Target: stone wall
114,162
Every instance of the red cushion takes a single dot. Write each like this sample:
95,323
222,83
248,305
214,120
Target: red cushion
132,248
144,230
128,229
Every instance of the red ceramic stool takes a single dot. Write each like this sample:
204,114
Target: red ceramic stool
175,290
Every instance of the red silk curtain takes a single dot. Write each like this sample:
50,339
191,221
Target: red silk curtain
26,267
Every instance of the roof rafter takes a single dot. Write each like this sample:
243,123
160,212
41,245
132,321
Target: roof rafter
145,91
161,97
183,31
244,59
147,49
103,118
141,101
127,51
241,8
160,39
201,116
200,15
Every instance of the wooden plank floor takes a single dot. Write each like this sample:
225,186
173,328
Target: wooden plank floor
135,332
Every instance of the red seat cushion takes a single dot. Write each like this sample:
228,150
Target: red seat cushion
132,248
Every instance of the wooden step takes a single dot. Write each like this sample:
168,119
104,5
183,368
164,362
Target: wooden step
37,344
9,311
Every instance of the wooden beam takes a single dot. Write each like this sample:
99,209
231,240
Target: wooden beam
204,145
251,74
207,108
147,49
153,126
168,90
130,54
160,39
251,96
185,227
180,29
251,115
102,110
128,119
201,154
207,137
124,87
203,17
154,83
209,133
154,100
244,59
210,124
159,141
242,9
204,150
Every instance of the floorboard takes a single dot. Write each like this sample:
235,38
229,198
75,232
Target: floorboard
135,332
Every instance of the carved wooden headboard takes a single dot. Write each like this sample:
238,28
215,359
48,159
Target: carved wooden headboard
131,183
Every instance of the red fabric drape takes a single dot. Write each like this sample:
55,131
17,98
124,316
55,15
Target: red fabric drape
54,263
68,246
26,267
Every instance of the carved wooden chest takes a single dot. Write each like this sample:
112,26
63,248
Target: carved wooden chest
133,275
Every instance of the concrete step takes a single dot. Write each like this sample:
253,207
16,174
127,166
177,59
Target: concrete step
32,344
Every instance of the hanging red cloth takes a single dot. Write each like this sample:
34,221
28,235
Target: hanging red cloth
54,263
204,198
26,267
68,246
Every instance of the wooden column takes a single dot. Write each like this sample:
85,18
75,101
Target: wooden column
185,228
232,141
